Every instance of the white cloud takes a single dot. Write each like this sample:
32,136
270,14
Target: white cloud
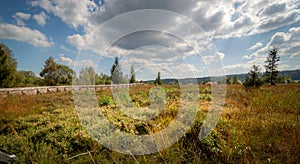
257,45
23,15
76,40
219,19
288,44
19,17
24,34
77,64
295,56
218,56
273,8
41,18
73,13
237,68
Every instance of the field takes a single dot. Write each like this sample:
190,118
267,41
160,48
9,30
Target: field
256,126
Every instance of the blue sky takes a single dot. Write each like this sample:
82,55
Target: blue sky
230,36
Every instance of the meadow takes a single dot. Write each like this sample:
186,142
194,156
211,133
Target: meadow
256,126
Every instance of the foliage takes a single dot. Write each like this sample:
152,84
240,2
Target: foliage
228,80
50,72
27,79
55,74
102,79
255,127
66,74
8,67
132,75
116,73
235,80
158,80
253,80
272,74
87,76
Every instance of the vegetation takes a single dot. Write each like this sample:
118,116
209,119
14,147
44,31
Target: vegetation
116,73
235,80
272,74
132,75
255,127
253,80
158,80
8,67
50,72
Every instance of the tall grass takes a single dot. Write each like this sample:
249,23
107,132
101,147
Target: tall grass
257,126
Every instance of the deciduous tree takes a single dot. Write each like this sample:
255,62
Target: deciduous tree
8,67
50,72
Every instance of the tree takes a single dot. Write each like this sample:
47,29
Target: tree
116,73
132,75
272,74
27,79
228,80
158,80
253,79
66,74
235,80
87,76
50,72
8,67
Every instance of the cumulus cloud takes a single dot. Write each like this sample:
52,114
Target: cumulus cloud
41,18
19,17
24,34
287,43
178,33
73,13
74,63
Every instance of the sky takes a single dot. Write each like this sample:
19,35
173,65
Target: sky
190,38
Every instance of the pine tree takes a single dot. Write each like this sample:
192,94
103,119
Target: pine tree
158,80
235,80
272,74
132,75
116,73
8,67
253,79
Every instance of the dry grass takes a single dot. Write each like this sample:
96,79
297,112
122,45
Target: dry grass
257,126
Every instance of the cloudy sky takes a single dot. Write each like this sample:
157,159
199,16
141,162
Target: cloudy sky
179,38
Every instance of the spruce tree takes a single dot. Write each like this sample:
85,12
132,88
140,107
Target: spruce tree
253,79
132,75
158,80
272,73
116,73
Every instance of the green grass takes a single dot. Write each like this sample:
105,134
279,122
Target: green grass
257,126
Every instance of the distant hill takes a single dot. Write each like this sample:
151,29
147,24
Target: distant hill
293,74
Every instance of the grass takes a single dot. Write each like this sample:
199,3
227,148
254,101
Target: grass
256,126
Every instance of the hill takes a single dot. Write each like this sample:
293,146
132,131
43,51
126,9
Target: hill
293,74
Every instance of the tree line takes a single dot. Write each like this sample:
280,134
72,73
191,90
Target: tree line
53,74
57,74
